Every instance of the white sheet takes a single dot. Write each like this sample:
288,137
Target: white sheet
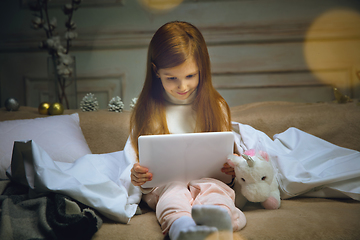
101,181
305,164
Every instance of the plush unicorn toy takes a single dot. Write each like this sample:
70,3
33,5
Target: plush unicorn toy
255,180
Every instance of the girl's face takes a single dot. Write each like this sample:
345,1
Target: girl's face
180,81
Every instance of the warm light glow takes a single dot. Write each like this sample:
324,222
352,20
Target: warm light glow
160,6
332,44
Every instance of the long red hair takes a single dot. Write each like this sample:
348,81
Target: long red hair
172,45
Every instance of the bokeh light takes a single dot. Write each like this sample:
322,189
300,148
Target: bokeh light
160,6
332,43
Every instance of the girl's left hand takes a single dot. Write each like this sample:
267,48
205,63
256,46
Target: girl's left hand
227,169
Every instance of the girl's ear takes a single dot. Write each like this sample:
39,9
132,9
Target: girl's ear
155,70
264,155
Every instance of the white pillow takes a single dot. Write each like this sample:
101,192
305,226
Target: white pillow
60,136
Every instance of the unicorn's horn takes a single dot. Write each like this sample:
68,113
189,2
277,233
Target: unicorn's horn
248,159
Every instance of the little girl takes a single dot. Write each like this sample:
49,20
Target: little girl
178,97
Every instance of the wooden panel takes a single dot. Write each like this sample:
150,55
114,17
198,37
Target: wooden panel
257,57
36,91
321,55
244,34
104,89
236,97
86,3
240,21
281,79
290,56
297,86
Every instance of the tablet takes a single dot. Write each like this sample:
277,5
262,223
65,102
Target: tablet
185,157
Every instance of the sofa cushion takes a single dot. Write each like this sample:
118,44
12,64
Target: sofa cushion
60,136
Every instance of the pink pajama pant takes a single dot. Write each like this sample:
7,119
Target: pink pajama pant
176,199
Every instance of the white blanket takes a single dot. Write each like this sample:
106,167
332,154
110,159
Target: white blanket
101,181
305,164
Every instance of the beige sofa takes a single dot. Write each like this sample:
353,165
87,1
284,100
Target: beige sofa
297,218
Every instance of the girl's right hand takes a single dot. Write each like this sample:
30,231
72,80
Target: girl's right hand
140,175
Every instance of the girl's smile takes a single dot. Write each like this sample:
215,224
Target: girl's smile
180,81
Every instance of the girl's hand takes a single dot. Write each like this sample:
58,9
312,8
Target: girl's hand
227,169
140,175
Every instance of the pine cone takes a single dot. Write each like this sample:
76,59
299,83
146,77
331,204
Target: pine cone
133,103
116,105
89,103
